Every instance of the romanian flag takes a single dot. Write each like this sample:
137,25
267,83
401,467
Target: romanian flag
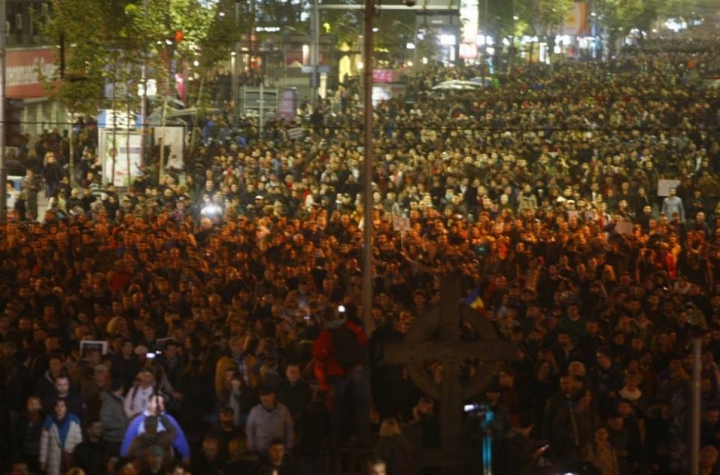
475,301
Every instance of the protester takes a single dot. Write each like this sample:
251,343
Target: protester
61,434
578,202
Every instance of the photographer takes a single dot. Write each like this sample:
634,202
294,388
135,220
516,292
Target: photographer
518,454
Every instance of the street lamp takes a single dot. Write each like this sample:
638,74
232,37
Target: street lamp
314,52
236,56
367,258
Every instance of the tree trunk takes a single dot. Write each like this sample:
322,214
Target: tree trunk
161,163
114,127
71,158
127,152
194,122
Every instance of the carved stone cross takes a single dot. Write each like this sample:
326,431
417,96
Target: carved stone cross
418,348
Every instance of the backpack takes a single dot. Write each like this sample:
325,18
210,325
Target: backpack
348,350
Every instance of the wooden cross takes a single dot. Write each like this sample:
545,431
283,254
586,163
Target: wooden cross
417,349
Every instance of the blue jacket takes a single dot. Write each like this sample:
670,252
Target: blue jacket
136,428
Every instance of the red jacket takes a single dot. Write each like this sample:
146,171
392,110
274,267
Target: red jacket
326,362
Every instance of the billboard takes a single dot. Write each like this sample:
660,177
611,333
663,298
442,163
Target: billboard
288,104
124,147
23,65
576,23
469,13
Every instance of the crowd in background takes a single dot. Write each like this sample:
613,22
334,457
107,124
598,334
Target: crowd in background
228,300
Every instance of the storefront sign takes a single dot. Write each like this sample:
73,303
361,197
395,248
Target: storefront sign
382,75
23,66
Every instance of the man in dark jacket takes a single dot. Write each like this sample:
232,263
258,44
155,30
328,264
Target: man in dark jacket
19,384
606,380
277,460
294,393
91,454
52,174
518,453
62,390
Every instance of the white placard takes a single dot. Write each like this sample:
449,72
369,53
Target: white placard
664,186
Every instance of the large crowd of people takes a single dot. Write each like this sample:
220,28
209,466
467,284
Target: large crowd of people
208,323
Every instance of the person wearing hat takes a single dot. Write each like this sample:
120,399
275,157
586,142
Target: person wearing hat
268,421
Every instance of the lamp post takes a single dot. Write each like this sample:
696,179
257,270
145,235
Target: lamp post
3,83
367,275
143,110
315,51
236,56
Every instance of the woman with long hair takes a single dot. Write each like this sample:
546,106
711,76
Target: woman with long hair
61,433
602,454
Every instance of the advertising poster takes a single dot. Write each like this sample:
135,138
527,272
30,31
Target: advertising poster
122,146
288,104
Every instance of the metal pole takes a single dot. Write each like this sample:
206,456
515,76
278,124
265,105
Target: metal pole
314,51
261,104
284,59
143,111
114,123
235,70
3,91
367,276
695,408
251,46
511,63
486,28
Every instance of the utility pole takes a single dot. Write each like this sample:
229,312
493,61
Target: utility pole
314,51
143,111
485,29
367,275
512,40
251,46
3,94
237,56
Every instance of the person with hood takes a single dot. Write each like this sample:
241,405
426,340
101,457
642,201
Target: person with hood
61,433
